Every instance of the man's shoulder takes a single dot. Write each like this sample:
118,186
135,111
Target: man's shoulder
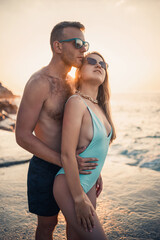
37,85
38,76
39,79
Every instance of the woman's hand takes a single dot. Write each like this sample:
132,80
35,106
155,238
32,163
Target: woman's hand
99,186
84,212
85,163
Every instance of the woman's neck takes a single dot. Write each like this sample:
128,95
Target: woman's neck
89,90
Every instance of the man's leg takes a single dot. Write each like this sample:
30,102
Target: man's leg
40,196
46,227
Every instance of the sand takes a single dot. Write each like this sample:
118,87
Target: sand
16,222
128,208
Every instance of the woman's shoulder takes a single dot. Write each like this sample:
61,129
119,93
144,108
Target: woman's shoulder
75,102
74,99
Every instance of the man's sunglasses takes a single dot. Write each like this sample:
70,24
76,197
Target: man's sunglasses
93,61
78,43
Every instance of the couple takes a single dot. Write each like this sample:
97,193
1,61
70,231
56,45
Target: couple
72,128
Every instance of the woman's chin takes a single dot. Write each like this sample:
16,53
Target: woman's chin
98,79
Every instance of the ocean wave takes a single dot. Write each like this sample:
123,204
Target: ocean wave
153,136
142,158
9,164
154,164
134,152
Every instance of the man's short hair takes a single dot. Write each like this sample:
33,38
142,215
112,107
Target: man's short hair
57,31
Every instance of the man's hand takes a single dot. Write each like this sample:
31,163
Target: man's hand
85,163
99,186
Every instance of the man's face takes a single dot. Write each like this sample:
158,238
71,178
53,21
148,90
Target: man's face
71,55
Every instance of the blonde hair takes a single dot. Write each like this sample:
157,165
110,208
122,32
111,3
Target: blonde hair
103,94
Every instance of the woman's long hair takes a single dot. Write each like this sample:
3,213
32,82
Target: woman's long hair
103,94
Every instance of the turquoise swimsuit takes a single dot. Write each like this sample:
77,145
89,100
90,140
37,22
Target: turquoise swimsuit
97,148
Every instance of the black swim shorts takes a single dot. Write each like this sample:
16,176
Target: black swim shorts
40,180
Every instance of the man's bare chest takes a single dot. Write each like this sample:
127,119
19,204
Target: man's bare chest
54,105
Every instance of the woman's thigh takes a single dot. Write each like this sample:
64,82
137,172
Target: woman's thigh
92,195
71,233
64,200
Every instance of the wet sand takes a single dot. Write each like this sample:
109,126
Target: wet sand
16,222
128,208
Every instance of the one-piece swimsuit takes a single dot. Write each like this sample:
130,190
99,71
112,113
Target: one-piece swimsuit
97,148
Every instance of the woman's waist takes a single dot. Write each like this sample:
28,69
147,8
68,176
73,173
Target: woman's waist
94,172
95,152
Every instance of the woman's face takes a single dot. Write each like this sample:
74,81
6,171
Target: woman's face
93,69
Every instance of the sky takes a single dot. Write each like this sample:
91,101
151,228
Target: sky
125,32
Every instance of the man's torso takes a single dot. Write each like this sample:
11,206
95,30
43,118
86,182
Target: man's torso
49,125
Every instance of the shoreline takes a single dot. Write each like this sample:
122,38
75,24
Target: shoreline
16,222
127,207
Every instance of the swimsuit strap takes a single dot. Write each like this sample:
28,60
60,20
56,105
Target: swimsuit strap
89,109
93,116
74,95
71,97
83,101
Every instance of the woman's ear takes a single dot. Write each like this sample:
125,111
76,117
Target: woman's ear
57,46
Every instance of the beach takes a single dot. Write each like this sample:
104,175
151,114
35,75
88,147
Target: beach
37,52
16,221
128,207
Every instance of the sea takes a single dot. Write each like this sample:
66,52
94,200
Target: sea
137,122
129,205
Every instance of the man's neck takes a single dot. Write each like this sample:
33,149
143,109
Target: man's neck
57,68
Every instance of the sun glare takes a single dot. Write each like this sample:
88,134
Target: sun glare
72,72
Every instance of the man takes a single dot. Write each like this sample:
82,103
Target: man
41,111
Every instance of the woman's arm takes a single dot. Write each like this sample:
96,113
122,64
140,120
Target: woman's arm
73,116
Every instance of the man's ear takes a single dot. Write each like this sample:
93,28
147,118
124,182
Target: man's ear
57,46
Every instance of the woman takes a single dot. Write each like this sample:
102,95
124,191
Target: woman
87,122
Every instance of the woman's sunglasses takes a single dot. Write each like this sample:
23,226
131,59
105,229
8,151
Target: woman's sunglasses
93,61
78,43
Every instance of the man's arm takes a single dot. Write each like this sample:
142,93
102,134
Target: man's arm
35,95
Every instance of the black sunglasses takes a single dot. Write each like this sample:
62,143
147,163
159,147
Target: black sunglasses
78,43
93,61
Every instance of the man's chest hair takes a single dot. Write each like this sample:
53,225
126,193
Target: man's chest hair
59,93
54,106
